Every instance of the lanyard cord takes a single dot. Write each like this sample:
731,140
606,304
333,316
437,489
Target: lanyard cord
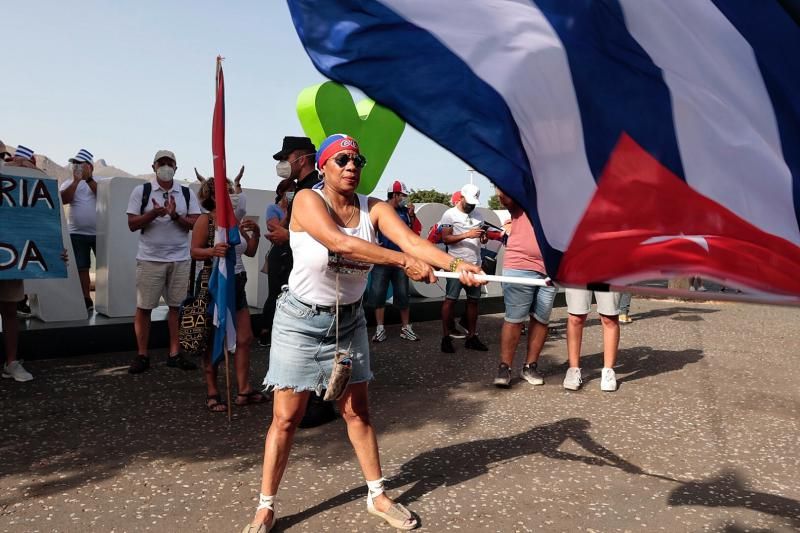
337,316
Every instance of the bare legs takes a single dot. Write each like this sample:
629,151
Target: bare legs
288,409
575,325
241,359
83,275
141,325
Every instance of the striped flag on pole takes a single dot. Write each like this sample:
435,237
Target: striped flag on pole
644,138
222,285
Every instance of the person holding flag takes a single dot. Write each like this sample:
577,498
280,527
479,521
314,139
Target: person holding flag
244,334
334,243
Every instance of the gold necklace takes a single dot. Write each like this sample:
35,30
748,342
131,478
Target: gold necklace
352,214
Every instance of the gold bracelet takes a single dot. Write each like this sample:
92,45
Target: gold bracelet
454,264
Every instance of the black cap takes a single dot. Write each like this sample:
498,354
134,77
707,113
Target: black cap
290,144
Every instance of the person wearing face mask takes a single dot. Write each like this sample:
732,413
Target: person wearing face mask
295,162
279,259
164,212
80,192
382,275
462,233
201,251
238,198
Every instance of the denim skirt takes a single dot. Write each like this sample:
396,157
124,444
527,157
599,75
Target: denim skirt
304,345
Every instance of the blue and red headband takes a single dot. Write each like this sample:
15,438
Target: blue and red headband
337,142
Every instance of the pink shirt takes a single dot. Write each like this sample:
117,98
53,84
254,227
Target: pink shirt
522,250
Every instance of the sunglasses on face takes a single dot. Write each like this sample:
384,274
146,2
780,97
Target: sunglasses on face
358,160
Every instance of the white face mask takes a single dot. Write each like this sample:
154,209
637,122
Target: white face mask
77,170
290,196
165,173
284,170
239,203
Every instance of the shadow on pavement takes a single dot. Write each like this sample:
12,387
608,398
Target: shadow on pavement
728,489
86,420
558,328
635,363
453,465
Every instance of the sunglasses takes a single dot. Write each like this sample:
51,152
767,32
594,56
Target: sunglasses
358,160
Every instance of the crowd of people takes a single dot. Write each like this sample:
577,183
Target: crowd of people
327,242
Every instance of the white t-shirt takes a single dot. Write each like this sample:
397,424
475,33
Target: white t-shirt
82,217
469,249
163,240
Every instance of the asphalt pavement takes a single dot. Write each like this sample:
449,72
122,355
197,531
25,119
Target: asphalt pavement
702,435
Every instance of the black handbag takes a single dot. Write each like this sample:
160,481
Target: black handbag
195,323
488,261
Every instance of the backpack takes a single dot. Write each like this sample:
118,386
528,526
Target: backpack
147,189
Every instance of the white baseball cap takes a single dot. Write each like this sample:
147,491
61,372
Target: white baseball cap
165,153
471,194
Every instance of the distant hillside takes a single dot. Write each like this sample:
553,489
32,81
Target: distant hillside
101,168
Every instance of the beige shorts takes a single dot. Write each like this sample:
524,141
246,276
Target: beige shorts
579,302
11,290
155,279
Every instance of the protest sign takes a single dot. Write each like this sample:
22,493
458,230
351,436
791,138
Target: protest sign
30,226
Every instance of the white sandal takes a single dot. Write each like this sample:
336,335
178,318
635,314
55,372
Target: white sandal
264,502
396,516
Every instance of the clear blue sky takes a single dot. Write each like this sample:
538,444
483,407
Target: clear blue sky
124,79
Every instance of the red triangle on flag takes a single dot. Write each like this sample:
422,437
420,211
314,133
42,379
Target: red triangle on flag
644,222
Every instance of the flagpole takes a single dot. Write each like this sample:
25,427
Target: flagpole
499,279
227,376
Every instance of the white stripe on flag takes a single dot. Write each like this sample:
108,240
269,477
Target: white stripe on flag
512,47
724,119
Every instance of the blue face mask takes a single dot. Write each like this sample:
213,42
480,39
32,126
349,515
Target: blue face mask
290,196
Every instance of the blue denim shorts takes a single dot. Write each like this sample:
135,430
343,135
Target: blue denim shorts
522,300
304,345
382,275
453,290
83,246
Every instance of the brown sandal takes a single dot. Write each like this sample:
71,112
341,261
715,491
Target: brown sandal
215,404
252,397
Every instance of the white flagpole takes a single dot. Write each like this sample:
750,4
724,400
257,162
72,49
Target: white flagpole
547,282
642,290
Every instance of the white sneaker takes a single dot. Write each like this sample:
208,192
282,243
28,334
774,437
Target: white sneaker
17,372
608,381
380,335
407,333
572,381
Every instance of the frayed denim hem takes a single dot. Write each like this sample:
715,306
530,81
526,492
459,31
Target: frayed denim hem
318,389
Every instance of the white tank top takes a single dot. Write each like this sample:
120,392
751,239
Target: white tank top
313,277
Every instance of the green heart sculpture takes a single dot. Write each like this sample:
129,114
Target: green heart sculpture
328,108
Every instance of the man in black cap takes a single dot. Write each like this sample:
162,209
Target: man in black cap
296,162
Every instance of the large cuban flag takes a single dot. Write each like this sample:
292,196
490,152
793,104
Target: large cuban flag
222,284
645,138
